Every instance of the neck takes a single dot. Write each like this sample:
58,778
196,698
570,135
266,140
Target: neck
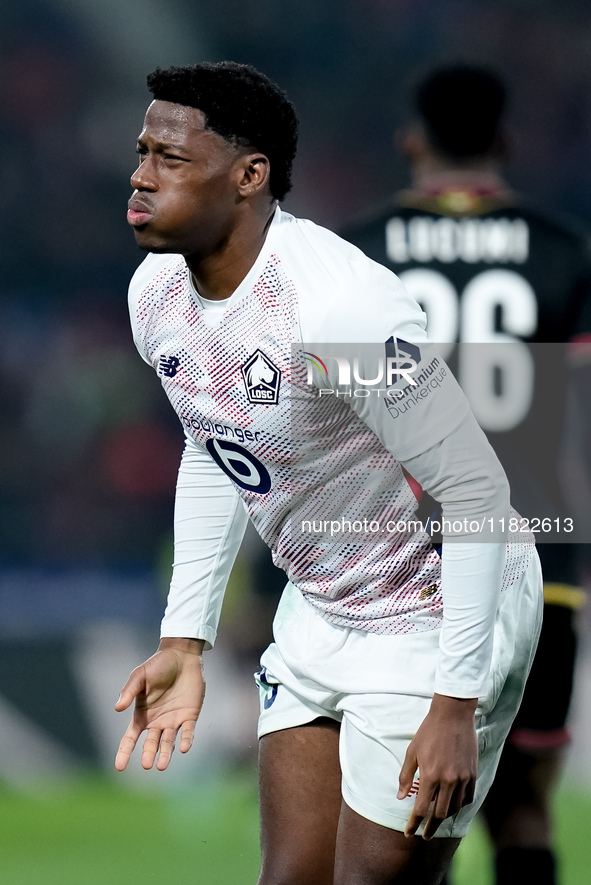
217,275
435,173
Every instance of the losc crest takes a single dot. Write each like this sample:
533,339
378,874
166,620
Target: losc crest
261,379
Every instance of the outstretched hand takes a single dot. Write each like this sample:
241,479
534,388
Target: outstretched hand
445,750
168,690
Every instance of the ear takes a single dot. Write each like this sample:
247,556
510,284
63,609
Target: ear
254,174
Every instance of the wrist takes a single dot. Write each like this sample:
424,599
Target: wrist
446,705
182,644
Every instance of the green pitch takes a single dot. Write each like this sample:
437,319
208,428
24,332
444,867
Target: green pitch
92,833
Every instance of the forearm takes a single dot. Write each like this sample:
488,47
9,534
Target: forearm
209,524
464,475
471,581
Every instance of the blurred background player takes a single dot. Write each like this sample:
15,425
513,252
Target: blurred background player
485,263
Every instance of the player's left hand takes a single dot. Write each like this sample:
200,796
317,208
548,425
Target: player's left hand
445,750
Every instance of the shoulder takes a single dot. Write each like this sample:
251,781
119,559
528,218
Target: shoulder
151,279
152,269
343,295
310,241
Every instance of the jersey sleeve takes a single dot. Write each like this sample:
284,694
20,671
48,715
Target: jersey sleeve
209,524
463,473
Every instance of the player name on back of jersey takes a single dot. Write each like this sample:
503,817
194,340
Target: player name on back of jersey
425,238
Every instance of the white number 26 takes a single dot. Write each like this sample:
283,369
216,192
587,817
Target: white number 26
498,381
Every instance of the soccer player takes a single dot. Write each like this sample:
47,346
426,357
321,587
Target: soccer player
305,383
486,265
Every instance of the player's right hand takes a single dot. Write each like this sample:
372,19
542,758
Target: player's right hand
168,690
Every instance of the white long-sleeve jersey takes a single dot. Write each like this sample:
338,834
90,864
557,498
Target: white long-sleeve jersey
302,397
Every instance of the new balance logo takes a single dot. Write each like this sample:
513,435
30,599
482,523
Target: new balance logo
428,591
169,366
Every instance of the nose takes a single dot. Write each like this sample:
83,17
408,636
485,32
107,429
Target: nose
144,179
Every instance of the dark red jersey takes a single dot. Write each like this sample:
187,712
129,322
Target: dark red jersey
487,266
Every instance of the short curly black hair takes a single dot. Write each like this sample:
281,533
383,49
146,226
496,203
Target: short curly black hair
462,107
240,104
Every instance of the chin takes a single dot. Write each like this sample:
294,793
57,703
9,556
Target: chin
147,245
158,250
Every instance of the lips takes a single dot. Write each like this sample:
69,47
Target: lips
138,213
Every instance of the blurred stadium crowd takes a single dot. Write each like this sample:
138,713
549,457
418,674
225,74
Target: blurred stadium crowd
89,447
